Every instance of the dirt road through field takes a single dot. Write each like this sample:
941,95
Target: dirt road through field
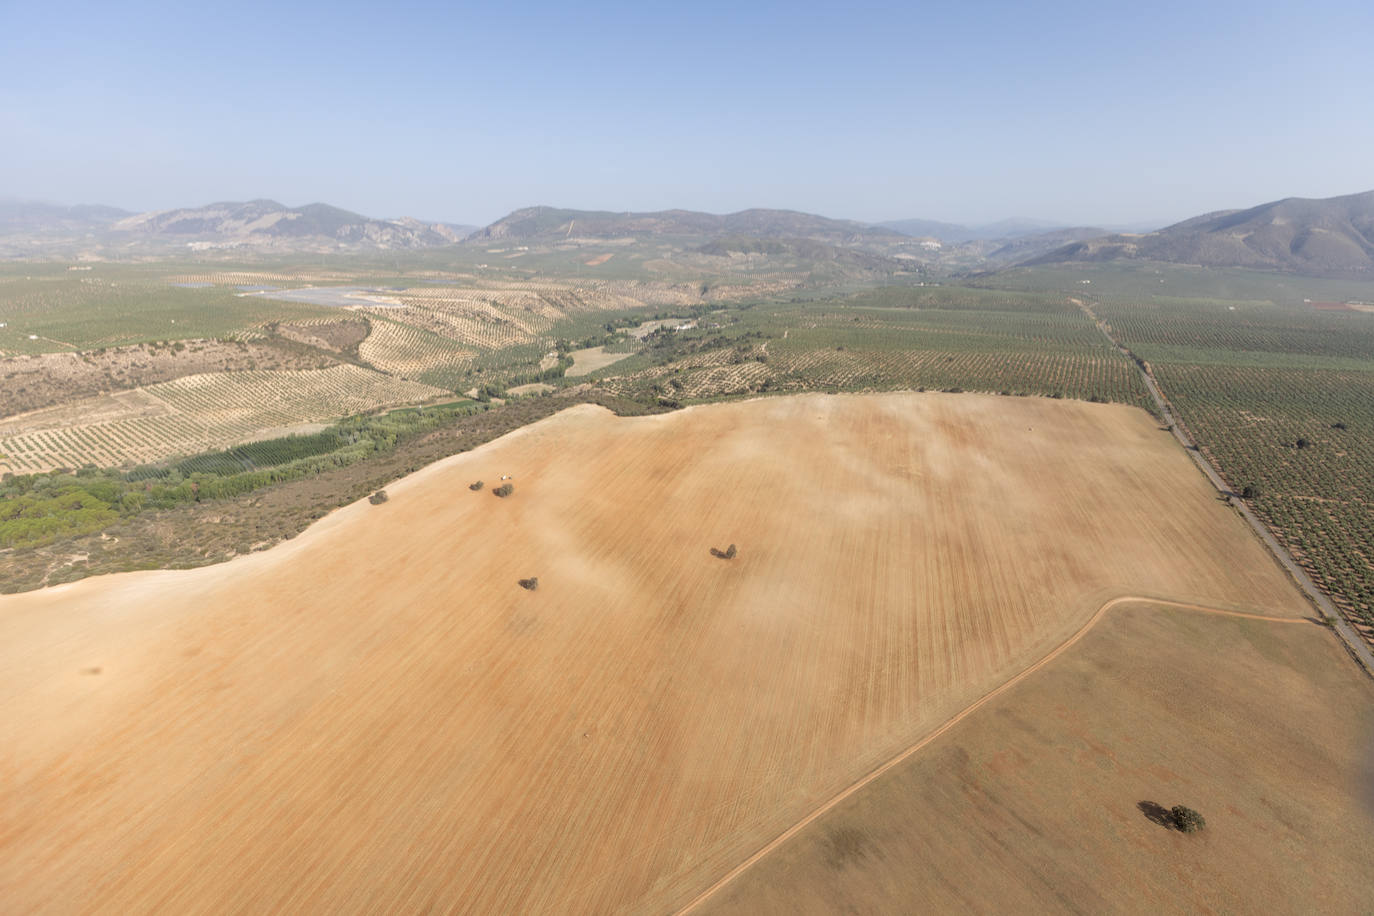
1358,647
950,723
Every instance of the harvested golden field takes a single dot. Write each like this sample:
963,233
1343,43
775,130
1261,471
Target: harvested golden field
1048,798
376,717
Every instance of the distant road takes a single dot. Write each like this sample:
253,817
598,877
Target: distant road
1356,643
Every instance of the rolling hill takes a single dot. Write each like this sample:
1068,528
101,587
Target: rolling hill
1332,236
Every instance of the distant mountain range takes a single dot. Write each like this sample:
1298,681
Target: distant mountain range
225,224
29,216
254,225
550,223
1332,236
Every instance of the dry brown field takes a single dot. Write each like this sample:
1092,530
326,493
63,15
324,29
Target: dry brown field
1046,799
587,361
375,716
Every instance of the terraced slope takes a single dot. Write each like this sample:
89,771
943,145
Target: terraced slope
194,413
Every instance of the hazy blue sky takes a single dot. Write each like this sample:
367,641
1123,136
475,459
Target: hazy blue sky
1097,112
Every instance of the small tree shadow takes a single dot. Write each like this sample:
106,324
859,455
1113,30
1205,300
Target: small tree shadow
1157,814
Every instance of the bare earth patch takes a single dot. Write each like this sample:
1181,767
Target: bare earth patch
531,388
376,716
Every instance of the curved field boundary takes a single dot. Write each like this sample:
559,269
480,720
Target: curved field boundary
954,720
1354,641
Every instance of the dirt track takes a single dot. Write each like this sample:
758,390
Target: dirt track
1048,797
950,723
375,716
1357,645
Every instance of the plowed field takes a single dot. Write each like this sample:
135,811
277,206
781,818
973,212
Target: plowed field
376,717
1048,799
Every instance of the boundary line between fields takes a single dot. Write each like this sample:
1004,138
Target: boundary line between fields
1354,641
954,720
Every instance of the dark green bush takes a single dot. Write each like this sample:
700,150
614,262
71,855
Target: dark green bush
1186,819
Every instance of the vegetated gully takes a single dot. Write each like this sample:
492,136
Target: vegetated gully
1356,645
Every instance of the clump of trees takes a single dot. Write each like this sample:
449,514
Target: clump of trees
487,391
477,485
726,554
530,584
1250,492
1186,819
506,489
378,498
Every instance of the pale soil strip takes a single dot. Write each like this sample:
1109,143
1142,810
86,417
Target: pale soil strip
955,720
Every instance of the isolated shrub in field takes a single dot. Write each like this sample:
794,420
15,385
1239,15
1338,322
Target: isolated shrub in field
476,486
530,584
1186,819
378,498
506,489
726,554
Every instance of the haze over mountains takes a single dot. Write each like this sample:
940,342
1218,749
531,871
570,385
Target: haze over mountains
257,225
551,222
1331,236
985,232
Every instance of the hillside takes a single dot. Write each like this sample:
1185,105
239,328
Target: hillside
540,223
1022,247
1333,236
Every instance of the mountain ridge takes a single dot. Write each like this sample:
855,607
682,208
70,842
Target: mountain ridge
1323,236
543,222
259,224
